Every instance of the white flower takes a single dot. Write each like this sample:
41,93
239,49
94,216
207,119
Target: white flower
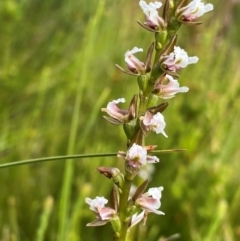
137,156
178,59
103,214
155,122
150,201
194,9
115,112
169,90
134,64
150,10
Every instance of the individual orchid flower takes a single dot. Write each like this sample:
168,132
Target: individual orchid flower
135,66
153,21
153,122
103,214
120,116
112,109
170,89
195,9
117,116
137,156
133,63
177,60
150,201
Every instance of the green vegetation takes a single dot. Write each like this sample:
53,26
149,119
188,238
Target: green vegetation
57,69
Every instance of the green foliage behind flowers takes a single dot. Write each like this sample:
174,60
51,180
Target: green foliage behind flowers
45,51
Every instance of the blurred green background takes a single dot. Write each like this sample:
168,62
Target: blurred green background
57,69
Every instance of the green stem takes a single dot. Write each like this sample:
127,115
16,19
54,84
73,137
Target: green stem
143,104
77,156
123,208
54,158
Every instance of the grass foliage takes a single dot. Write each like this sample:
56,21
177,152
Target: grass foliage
57,69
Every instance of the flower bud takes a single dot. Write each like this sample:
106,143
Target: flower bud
109,172
143,82
114,173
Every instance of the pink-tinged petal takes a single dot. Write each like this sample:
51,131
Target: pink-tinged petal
154,123
133,63
147,118
150,201
178,59
136,155
169,90
150,205
152,18
113,110
136,218
106,213
194,10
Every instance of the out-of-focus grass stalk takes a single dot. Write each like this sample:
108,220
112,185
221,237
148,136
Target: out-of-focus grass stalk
90,122
74,233
13,219
47,209
88,43
220,215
